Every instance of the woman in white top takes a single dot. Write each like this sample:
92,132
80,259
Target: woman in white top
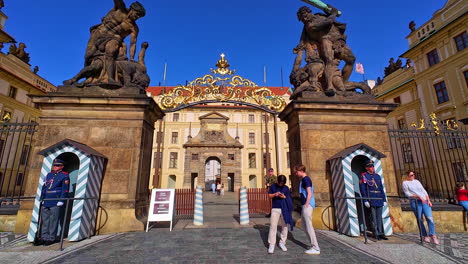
420,205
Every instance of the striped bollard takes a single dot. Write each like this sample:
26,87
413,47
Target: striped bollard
244,207
198,213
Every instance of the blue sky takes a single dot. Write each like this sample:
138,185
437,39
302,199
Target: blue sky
190,35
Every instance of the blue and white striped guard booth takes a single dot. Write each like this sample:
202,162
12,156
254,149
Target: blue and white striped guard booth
86,180
345,168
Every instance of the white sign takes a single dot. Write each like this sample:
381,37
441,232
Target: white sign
161,206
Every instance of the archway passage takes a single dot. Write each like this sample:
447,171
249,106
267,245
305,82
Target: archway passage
212,173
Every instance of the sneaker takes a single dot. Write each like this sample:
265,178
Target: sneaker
282,246
271,249
312,251
435,240
427,239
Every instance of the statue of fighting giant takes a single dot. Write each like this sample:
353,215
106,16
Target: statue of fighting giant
323,46
106,63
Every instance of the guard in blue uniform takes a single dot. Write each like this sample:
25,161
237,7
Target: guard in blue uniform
55,186
371,187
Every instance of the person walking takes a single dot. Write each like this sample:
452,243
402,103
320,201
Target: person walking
218,188
281,211
371,187
222,189
213,187
421,205
306,191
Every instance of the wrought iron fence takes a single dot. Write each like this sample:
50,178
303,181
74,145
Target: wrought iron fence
258,200
16,140
438,154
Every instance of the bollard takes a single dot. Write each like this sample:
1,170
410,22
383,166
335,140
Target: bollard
198,213
244,207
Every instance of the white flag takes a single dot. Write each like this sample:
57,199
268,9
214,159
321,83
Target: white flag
359,68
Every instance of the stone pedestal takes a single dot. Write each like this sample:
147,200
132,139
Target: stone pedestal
320,128
119,127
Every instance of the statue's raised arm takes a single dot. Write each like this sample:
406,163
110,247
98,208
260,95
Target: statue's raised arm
328,9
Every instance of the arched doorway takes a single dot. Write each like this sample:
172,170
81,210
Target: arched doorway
212,171
71,166
357,168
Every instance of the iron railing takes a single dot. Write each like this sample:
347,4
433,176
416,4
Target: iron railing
439,157
16,141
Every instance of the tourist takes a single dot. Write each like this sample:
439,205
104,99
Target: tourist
306,191
270,179
371,186
462,196
218,188
421,205
222,189
213,187
281,211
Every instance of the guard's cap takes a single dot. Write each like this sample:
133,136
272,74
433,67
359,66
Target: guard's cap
270,169
369,163
58,162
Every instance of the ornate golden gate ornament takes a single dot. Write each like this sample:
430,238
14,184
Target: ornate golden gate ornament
436,124
220,86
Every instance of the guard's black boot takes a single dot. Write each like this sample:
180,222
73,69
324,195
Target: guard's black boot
383,237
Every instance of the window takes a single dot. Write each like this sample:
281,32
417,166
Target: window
252,161
433,57
265,160
465,73
12,92
173,160
24,155
441,92
19,179
459,169
2,145
251,138
230,156
174,138
461,41
194,156
401,123
407,155
397,100
155,158
175,117
288,163
251,119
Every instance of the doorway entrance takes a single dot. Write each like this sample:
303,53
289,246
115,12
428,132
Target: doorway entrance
212,172
357,168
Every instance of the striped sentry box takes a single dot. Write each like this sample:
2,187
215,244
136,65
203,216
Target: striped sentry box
244,207
88,184
348,179
198,212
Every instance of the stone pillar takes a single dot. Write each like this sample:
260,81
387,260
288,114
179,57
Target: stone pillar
119,127
320,128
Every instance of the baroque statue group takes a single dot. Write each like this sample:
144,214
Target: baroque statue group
322,46
107,64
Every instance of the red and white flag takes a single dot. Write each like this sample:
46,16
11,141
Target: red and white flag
359,68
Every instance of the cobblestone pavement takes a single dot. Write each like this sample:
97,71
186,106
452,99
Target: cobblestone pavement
454,245
245,245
